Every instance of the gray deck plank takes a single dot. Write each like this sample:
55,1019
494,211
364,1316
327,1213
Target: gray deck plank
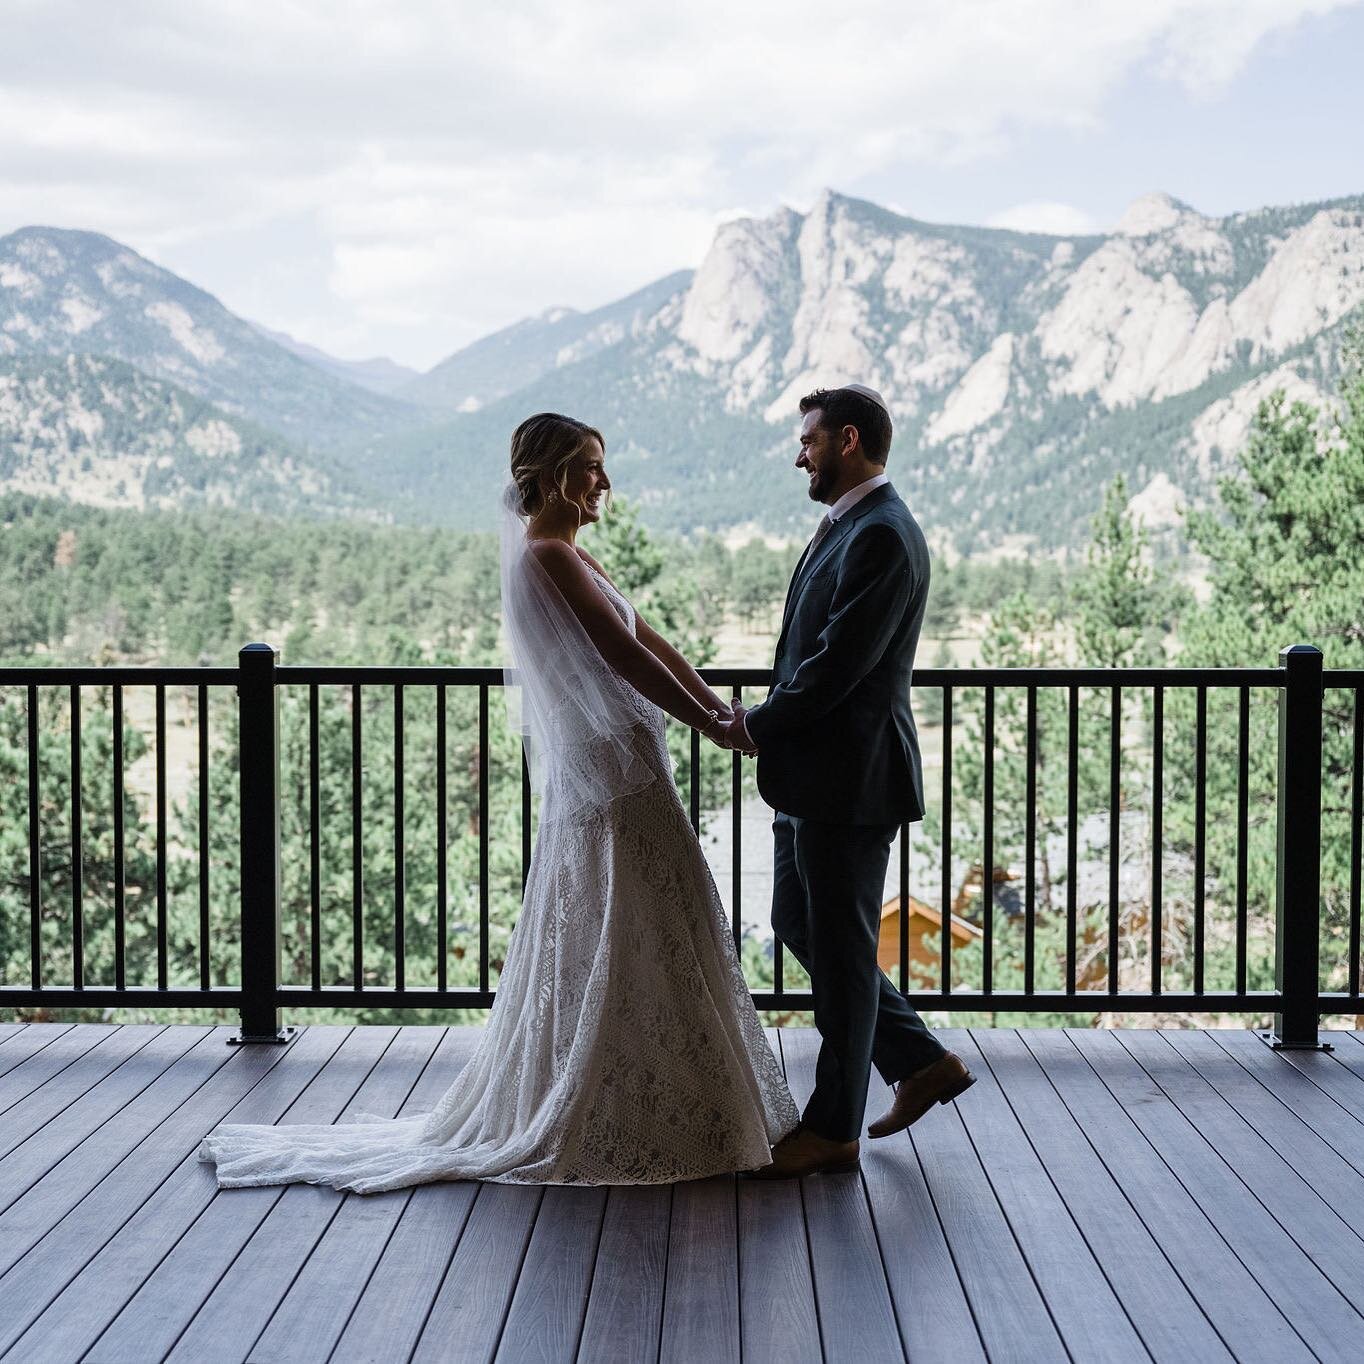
1149,1150
1301,1291
1337,1078
239,1307
313,1313
34,1093
1286,1126
625,1304
42,1176
8,1030
30,1039
856,1314
1343,1132
392,1301
1084,1306
153,1318
1009,1311
777,1319
392,1310
31,1061
83,1271
931,1307
547,1309
1315,1220
470,1307
1244,1314
1165,1313
701,1294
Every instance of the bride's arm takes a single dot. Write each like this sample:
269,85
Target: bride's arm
670,658
625,654
679,667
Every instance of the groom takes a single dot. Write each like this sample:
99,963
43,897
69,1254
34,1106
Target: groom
838,759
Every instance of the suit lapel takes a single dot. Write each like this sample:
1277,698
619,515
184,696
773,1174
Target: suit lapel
805,569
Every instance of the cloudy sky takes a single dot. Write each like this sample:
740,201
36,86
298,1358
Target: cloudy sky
402,176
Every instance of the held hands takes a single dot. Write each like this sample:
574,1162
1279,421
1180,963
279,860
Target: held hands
728,732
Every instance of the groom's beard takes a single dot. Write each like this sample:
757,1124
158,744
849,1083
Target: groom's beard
819,485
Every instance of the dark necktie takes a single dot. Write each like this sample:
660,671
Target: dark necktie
825,526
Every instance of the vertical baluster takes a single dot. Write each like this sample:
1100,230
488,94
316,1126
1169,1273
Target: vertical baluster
77,853
525,821
946,950
1356,837
1072,831
1114,827
357,839
483,886
35,855
902,947
205,968
1157,838
987,875
120,922
162,918
1242,836
1030,845
399,852
315,837
736,800
1200,829
442,867
694,801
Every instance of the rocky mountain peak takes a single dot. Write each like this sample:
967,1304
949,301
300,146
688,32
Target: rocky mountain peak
1151,213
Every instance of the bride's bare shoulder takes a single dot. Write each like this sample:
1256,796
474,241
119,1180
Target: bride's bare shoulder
561,561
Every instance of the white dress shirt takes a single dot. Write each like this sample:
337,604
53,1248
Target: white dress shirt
835,513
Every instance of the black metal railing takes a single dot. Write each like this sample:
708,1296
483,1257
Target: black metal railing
1002,734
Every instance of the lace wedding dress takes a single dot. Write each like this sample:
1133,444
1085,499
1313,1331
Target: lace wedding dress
623,1047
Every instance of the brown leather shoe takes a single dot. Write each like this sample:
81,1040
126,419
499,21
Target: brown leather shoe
806,1153
939,1082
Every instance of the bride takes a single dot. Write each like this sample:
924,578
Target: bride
623,1047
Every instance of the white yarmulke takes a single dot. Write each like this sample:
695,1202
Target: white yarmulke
869,393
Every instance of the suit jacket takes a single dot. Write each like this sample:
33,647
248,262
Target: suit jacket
836,739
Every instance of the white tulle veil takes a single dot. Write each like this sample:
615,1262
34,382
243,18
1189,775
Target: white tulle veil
579,719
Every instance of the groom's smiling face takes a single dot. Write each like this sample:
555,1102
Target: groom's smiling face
818,456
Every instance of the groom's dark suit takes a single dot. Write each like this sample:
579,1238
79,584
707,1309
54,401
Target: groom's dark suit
838,759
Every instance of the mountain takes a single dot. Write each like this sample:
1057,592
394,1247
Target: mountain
1023,370
379,374
98,431
518,355
65,291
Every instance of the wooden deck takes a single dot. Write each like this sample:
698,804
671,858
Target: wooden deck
1097,1196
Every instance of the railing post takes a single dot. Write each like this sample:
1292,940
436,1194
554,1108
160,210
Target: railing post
258,711
1298,881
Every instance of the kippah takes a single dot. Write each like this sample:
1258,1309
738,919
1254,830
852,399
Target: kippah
869,393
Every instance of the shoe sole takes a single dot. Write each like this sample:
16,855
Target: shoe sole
953,1091
850,1167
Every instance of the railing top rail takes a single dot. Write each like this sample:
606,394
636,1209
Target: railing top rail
927,677
432,674
1342,677
124,676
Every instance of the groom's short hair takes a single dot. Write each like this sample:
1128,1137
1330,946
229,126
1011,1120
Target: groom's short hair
847,407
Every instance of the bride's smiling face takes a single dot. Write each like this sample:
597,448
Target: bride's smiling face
588,483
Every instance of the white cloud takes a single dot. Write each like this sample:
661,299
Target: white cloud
447,167
1061,220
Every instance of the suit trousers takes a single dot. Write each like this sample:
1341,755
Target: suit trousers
827,892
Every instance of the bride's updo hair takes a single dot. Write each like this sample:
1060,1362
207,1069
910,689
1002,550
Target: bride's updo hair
543,449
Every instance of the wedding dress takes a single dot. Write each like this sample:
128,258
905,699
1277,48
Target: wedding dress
623,1047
